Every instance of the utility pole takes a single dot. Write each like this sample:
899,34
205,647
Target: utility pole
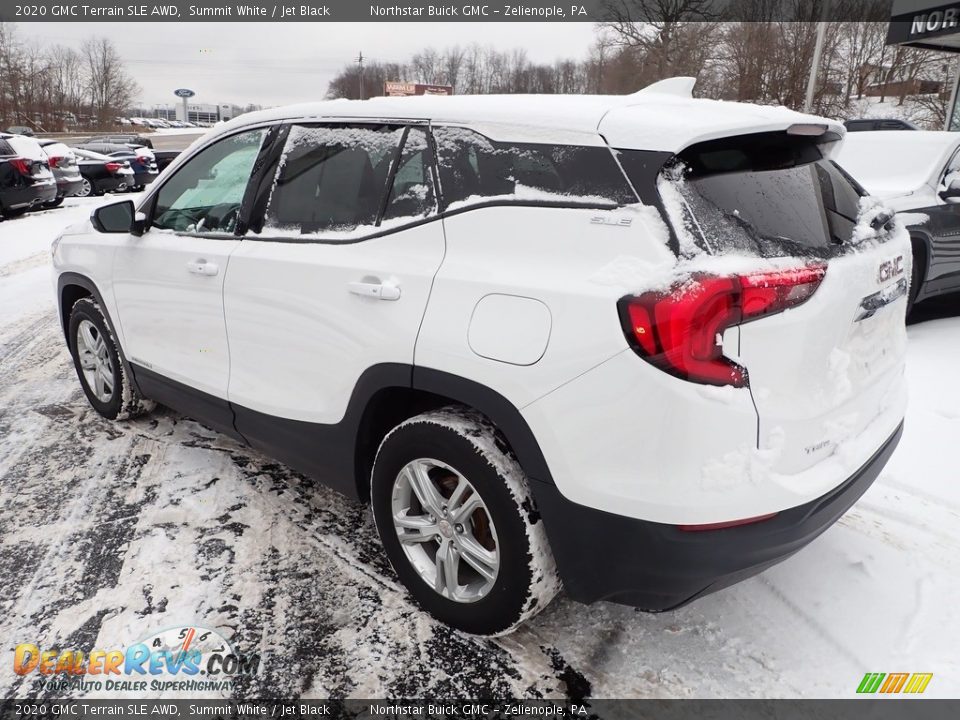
360,63
814,70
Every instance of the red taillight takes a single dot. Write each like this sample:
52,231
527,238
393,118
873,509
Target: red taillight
679,331
113,166
54,160
21,165
728,524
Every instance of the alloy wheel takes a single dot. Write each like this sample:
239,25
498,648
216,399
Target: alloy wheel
95,361
445,530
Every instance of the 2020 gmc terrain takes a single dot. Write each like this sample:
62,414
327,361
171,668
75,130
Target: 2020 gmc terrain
647,345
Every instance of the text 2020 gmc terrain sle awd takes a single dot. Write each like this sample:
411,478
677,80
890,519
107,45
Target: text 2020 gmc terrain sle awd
548,339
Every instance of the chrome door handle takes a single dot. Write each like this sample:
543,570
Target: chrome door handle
378,291
202,267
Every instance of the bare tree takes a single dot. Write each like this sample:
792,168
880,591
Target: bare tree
109,88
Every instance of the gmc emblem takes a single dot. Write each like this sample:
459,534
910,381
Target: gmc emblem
890,269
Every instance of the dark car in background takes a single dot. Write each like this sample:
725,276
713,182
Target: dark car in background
20,130
917,175
63,163
101,174
871,124
25,177
118,139
141,160
165,157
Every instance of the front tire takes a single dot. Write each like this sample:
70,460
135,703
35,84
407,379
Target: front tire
100,369
459,524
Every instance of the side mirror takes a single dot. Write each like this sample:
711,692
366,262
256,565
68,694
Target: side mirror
119,217
951,190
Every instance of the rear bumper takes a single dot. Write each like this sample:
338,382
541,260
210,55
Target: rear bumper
67,187
113,182
654,566
34,194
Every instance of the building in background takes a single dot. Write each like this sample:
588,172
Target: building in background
403,89
930,25
196,112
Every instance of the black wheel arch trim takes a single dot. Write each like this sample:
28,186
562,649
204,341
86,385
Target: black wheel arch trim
340,454
498,409
71,278
922,236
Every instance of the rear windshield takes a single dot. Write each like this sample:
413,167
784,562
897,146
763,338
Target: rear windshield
769,193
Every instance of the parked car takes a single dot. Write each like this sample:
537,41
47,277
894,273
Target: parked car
917,174
25,177
63,162
102,174
141,160
870,124
542,335
117,139
165,157
20,130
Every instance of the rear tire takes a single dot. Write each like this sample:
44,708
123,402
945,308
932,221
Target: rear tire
478,531
15,212
54,203
102,373
87,187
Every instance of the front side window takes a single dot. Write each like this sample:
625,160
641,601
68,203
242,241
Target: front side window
475,169
205,194
331,182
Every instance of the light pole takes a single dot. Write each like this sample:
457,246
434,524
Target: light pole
360,63
812,79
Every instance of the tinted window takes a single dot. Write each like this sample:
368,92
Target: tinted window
5,148
331,181
858,125
768,193
475,169
205,193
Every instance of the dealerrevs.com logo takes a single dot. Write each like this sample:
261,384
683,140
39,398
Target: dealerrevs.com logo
892,683
178,659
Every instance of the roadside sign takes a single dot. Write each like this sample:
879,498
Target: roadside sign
184,93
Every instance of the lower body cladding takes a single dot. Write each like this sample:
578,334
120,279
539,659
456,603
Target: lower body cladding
656,567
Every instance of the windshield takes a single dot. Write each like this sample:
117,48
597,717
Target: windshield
770,193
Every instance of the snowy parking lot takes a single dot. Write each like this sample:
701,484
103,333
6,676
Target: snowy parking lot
111,532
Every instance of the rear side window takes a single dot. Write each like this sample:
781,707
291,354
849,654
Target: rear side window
475,169
5,148
333,182
770,194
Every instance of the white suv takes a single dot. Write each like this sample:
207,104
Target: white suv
648,345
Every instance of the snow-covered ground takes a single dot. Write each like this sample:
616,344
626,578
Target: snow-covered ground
109,532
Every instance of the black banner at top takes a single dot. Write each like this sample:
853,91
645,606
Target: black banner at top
441,10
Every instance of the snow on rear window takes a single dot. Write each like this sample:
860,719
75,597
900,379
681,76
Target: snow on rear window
25,147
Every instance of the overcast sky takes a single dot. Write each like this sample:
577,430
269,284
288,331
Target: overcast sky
276,63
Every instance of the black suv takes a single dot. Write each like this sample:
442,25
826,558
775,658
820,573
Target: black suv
118,139
25,176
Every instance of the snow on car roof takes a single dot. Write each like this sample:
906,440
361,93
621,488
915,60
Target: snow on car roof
661,117
896,162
